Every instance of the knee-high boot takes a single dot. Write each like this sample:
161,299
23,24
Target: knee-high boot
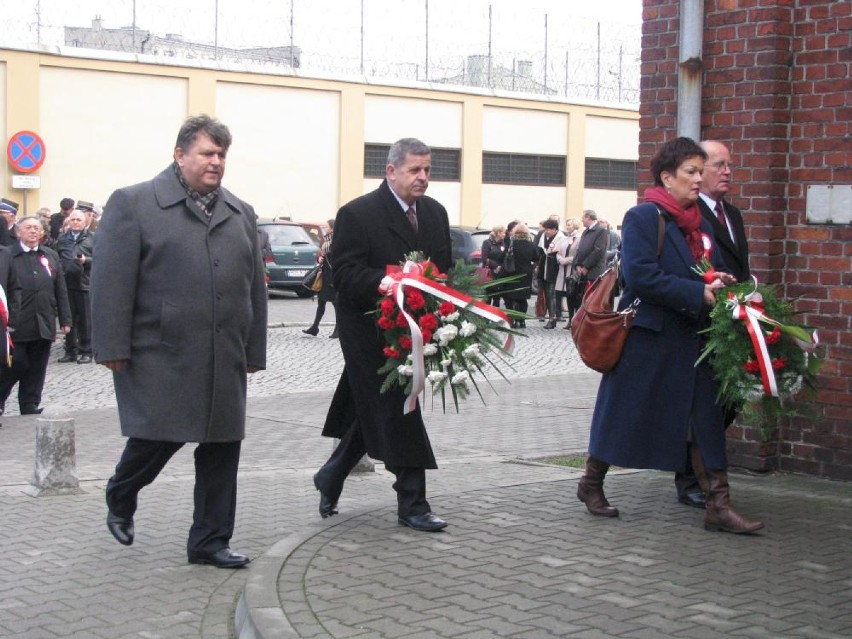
720,515
590,489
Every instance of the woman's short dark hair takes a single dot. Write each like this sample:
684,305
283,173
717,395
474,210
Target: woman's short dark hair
196,124
672,154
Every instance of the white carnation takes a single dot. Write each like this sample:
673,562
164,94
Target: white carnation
436,377
405,370
429,349
452,317
467,329
446,334
460,378
471,352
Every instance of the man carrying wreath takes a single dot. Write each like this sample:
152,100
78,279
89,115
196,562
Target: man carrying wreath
372,232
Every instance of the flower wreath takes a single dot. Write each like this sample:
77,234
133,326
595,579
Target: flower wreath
436,330
758,355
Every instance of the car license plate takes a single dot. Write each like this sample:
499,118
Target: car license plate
297,273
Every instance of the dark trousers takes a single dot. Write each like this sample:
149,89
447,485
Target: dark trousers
554,308
686,482
215,492
79,339
29,367
410,484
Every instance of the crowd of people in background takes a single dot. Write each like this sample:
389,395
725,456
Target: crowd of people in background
45,260
554,265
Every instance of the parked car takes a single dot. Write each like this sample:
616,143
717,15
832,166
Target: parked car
294,253
467,243
317,230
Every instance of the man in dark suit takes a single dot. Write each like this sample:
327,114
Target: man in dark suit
57,220
179,317
729,235
43,296
590,260
75,251
372,232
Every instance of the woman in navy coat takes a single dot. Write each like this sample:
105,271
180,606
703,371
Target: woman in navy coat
656,407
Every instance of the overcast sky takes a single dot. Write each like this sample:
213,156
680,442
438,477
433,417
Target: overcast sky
332,27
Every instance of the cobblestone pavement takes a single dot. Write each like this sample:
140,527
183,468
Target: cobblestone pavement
521,557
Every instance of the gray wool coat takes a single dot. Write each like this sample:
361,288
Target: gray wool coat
184,300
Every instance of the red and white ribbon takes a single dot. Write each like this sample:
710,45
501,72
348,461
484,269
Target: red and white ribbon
43,260
411,275
4,316
751,311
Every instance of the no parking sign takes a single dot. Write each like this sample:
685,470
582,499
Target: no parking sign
26,151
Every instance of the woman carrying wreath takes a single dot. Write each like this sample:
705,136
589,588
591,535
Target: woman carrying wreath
656,407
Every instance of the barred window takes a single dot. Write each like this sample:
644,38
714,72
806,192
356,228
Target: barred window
516,168
446,163
610,174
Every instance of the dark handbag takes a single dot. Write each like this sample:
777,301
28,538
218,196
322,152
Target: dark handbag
572,285
509,266
599,332
313,280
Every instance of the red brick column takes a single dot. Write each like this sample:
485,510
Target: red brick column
775,89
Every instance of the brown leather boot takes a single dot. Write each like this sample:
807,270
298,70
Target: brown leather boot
720,515
590,489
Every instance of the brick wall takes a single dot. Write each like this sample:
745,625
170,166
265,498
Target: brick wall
776,89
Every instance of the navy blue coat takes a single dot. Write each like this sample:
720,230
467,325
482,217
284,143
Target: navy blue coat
646,404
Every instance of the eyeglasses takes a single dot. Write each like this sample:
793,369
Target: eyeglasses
720,166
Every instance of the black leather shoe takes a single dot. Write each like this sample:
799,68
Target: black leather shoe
31,409
67,359
85,359
693,499
121,528
327,505
550,324
426,522
224,558
311,330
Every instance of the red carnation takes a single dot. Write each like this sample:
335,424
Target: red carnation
751,367
414,300
778,364
427,336
428,322
401,321
405,343
387,306
391,353
774,336
447,308
385,323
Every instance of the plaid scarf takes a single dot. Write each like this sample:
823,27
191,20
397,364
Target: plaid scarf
204,202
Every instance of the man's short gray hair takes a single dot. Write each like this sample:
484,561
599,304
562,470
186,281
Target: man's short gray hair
591,214
403,148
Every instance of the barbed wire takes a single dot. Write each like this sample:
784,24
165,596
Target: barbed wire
489,45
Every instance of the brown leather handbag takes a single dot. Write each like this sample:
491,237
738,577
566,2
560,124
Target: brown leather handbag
598,331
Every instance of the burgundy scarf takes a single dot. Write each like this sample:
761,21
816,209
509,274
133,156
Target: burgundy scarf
688,219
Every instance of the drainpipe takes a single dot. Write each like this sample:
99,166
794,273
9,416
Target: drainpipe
690,66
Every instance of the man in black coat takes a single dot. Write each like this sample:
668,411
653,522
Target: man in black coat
75,252
372,232
43,295
57,220
729,235
590,260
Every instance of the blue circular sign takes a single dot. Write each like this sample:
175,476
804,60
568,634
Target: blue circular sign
26,151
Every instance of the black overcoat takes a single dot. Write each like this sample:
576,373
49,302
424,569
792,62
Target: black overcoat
183,298
526,256
77,276
43,294
371,233
735,255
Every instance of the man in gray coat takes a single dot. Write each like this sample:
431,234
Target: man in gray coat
590,260
179,316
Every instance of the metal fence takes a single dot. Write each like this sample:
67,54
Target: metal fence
536,47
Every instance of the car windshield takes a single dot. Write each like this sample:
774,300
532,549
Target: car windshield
286,234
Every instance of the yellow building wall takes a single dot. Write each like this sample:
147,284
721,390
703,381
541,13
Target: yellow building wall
105,129
283,163
605,138
298,142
